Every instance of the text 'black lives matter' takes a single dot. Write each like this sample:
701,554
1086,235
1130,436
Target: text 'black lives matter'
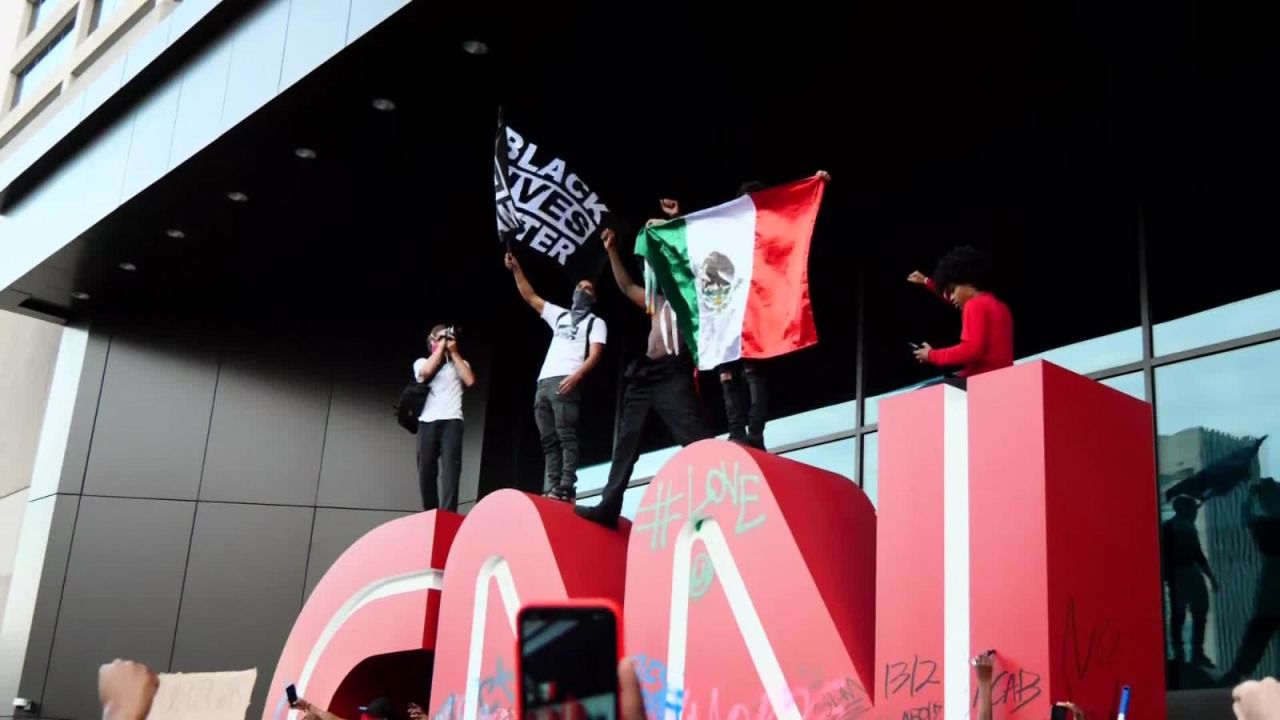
544,206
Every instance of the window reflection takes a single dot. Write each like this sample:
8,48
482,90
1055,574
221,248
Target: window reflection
871,467
1235,320
811,424
1220,515
1129,384
1096,354
41,68
837,457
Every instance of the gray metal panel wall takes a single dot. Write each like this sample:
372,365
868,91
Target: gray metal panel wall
120,598
243,588
200,533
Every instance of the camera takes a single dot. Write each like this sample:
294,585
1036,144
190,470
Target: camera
451,332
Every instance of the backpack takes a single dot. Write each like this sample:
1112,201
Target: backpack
586,346
412,400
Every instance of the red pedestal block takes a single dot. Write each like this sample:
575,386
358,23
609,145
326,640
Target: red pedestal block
1065,548
751,589
513,549
1019,516
918,483
381,596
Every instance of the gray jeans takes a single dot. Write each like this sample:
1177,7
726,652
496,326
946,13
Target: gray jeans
557,419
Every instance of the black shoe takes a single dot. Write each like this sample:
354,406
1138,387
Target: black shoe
567,493
598,514
1202,660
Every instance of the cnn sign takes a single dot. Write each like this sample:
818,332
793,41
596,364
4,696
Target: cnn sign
1019,516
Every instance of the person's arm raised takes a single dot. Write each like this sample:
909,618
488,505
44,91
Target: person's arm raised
431,366
634,292
522,284
460,364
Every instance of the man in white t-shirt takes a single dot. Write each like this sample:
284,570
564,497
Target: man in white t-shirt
577,341
440,424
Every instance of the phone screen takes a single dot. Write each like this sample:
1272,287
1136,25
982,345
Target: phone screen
569,663
291,693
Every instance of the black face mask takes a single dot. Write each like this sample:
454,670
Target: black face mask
582,304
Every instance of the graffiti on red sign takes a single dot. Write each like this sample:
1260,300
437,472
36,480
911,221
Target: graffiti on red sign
914,676
719,485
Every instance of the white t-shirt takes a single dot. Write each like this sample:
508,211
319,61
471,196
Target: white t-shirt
569,345
444,400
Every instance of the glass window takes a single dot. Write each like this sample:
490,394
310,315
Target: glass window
1217,452
41,11
102,11
871,467
837,457
647,465
1096,354
803,426
1257,314
630,501
1130,384
42,67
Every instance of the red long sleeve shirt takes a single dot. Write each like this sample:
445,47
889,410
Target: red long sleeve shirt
986,338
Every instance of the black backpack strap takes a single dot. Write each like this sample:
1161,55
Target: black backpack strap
586,345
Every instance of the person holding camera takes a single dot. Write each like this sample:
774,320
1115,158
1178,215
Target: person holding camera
440,424
577,342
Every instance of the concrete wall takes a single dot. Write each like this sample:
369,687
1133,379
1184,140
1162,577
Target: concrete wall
27,352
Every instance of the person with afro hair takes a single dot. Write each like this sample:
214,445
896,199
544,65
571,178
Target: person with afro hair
963,278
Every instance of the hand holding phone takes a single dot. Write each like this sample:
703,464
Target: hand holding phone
567,660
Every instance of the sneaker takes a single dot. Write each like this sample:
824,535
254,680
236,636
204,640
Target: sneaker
598,514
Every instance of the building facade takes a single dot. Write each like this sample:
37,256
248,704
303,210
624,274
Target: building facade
228,319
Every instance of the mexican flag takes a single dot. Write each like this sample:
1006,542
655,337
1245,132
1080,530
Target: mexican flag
737,275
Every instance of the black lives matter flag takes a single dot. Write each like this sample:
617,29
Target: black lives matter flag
544,206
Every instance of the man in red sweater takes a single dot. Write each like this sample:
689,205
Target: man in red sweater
986,325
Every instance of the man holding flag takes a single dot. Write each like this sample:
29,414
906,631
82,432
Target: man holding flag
662,379
577,342
721,284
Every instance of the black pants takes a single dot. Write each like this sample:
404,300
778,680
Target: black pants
666,386
746,401
440,456
557,419
1188,591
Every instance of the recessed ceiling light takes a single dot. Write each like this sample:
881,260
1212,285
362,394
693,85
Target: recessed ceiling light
175,233
305,153
383,104
237,196
78,295
128,266
476,47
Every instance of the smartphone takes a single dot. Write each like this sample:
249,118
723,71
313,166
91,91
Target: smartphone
291,693
914,346
567,657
